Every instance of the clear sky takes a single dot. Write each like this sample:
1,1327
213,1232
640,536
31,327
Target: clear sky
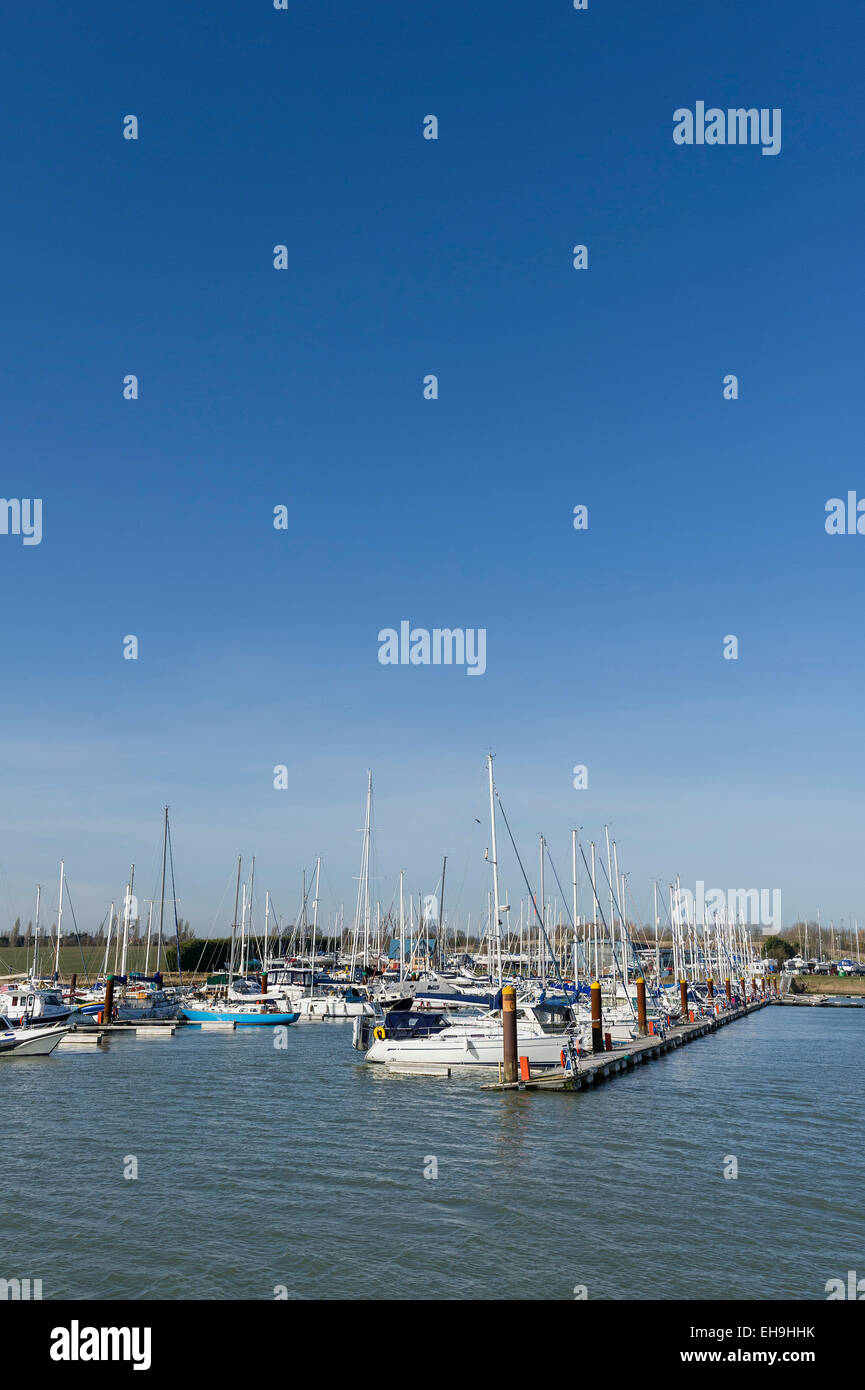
304,387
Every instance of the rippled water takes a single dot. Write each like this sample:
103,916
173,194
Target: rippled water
303,1168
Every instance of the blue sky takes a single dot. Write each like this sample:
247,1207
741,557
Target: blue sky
304,387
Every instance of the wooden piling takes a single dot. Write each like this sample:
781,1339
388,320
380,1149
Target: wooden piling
108,1004
710,985
683,997
509,1034
641,1008
597,1024
729,988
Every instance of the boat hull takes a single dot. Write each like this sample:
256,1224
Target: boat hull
243,1020
36,1042
468,1051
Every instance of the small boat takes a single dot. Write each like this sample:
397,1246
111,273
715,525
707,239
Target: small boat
32,1002
543,1034
31,1041
244,1015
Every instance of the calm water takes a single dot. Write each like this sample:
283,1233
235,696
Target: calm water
304,1168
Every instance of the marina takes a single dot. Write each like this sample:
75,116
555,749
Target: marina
328,1162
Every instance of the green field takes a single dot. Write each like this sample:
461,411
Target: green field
80,961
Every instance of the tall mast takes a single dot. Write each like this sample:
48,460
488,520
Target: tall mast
401,928
314,926
574,887
594,911
233,928
36,934
657,943
249,912
162,891
495,863
108,938
441,929
612,909
542,955
147,950
366,920
127,908
59,920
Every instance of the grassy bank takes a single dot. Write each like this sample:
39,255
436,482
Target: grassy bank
828,984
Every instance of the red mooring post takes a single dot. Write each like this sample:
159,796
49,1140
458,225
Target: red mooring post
683,999
729,988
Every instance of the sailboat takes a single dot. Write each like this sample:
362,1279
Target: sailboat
257,1010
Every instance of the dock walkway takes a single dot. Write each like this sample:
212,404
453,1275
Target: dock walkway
604,1066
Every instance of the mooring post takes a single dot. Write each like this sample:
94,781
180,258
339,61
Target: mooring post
683,999
742,990
264,982
72,985
641,1008
597,1024
509,1033
729,988
753,990
710,985
109,1000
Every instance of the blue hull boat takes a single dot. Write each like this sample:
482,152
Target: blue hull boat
244,1018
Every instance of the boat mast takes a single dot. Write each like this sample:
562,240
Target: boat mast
108,938
147,949
495,864
440,943
594,911
127,908
366,831
314,926
401,929
249,912
542,955
574,887
233,928
162,890
657,943
36,935
59,920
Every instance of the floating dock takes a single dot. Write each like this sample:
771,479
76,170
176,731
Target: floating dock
594,1069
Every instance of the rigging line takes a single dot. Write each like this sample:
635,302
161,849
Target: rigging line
624,925
561,889
603,919
529,888
174,899
77,932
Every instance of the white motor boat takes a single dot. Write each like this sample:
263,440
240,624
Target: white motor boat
31,1041
543,1034
30,1002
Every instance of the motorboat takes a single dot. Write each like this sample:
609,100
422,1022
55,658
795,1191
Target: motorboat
29,1041
544,1033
